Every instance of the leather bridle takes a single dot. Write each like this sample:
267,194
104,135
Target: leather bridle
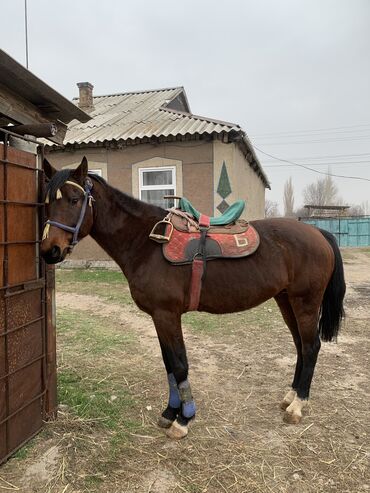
88,199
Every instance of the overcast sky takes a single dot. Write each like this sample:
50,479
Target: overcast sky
295,74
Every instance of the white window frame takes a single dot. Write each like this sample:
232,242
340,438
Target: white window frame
96,171
156,187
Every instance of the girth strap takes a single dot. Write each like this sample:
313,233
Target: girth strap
198,269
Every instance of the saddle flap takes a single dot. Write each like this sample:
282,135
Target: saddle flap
183,246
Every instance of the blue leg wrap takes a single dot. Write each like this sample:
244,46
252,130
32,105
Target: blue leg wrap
174,400
188,405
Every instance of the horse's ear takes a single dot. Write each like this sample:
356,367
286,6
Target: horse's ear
48,169
80,172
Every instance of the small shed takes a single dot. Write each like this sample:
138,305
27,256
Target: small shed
150,144
28,108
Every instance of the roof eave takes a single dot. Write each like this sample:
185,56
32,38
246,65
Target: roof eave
50,103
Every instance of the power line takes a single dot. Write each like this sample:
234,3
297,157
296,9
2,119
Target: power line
317,141
332,156
26,30
337,163
311,169
327,129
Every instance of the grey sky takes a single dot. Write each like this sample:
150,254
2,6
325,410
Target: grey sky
273,66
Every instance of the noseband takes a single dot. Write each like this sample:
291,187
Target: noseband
88,198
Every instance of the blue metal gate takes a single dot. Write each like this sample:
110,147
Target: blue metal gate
349,231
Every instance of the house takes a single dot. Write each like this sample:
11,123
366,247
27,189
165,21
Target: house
149,144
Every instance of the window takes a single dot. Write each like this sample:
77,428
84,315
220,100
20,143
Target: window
96,172
155,183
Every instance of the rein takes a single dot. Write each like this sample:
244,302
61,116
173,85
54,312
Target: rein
88,198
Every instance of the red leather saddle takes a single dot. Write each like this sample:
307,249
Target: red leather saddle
187,241
232,241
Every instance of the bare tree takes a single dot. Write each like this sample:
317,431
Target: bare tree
271,209
362,209
322,192
288,198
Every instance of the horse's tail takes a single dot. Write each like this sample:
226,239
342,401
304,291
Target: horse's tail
332,311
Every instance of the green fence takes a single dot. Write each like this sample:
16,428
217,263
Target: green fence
349,231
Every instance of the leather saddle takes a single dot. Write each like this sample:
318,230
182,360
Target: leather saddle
190,238
234,240
226,236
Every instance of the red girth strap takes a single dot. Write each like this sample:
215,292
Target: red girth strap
197,269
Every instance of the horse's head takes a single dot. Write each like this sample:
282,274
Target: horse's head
69,211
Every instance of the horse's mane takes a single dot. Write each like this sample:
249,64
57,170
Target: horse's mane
130,204
56,182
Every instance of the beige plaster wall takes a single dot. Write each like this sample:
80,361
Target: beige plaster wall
245,183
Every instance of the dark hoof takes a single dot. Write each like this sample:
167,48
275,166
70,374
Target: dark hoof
284,405
164,422
168,417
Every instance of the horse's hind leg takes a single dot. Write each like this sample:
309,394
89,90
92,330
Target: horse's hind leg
181,408
306,311
287,312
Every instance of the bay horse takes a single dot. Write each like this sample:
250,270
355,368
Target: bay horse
298,265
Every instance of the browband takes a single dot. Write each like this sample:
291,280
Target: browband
59,193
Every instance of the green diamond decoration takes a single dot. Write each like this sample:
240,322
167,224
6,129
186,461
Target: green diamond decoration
224,187
222,206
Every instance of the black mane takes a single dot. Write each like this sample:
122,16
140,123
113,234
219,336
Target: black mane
56,182
59,179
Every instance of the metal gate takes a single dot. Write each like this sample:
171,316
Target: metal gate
349,231
27,328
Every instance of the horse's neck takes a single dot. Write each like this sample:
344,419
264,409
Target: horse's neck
122,225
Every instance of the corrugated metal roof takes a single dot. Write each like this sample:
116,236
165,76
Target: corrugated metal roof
146,115
139,115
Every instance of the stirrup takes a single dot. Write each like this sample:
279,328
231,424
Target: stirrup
165,238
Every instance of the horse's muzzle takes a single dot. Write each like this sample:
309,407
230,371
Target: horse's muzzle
53,256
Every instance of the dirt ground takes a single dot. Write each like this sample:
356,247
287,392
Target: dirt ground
106,439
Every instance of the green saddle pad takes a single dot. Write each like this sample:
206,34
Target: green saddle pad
231,214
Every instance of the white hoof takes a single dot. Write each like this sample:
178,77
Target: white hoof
177,431
293,413
288,399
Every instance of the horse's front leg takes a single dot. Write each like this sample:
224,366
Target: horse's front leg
174,402
181,407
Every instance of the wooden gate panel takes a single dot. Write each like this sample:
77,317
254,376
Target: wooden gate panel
27,328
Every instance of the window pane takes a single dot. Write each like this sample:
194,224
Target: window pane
160,177
96,171
156,197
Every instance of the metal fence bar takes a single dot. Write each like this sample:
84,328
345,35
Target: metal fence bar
23,242
6,280
20,202
24,286
20,327
10,416
29,363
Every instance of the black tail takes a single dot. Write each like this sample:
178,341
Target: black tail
332,310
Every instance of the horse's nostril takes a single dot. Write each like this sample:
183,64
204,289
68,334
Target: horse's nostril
55,252
53,256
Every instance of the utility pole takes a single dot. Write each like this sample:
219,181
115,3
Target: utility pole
26,30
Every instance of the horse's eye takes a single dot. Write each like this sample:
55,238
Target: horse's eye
74,201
